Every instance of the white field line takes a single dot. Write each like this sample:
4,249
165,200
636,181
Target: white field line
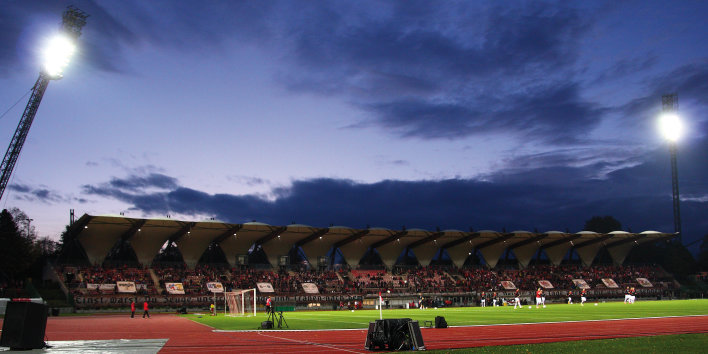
609,319
479,325
312,343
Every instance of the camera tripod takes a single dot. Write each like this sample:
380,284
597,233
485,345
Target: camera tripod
276,317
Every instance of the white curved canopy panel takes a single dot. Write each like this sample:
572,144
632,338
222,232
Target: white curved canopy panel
244,238
98,234
320,246
151,237
101,234
390,251
353,251
281,244
525,252
193,244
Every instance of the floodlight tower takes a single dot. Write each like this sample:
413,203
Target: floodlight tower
672,128
56,57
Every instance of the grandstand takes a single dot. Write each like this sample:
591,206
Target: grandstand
94,283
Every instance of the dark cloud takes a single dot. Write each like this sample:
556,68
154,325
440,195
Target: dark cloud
106,191
134,182
501,72
249,180
188,26
554,114
551,197
535,35
508,40
34,194
422,70
691,81
625,67
21,188
400,162
420,118
137,190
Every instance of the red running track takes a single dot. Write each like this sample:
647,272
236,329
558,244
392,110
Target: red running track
188,336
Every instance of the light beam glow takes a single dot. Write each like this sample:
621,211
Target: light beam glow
670,126
56,55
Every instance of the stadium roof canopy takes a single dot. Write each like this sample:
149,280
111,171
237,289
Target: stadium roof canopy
99,234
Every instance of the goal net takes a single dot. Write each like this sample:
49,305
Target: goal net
240,302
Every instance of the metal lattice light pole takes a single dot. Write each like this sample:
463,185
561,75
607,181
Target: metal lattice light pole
57,56
671,127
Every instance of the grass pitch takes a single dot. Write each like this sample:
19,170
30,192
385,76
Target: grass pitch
464,316
677,343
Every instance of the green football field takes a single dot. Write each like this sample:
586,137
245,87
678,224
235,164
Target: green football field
678,343
464,316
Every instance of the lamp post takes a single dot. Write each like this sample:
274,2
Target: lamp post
28,226
672,128
56,56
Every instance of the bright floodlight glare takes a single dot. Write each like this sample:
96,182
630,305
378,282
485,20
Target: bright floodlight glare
670,126
57,54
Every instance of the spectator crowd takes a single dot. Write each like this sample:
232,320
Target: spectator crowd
401,280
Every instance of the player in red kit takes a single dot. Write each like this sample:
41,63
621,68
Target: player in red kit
145,309
539,294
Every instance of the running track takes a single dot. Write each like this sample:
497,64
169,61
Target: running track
187,336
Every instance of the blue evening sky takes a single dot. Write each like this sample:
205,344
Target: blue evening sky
520,115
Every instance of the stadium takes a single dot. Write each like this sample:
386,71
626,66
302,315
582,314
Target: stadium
180,268
298,263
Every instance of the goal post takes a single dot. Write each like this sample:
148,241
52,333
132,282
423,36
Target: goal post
240,302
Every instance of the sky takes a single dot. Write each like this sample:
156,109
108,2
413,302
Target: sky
501,115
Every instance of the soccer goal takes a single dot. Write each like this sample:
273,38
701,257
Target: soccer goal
240,302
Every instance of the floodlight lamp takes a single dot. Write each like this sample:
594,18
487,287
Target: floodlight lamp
56,55
671,126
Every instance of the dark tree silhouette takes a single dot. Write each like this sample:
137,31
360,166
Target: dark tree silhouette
602,224
16,253
703,254
70,249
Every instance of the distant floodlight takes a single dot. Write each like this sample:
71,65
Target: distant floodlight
670,125
57,54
